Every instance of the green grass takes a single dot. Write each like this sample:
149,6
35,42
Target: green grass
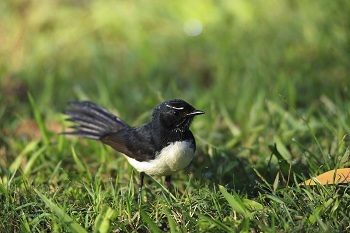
272,77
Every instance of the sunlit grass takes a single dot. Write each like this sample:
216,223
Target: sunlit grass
272,77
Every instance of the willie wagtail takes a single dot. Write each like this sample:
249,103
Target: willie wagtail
160,147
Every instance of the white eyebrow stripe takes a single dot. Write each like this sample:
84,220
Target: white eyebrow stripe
169,106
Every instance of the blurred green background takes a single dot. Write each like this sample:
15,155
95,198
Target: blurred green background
255,67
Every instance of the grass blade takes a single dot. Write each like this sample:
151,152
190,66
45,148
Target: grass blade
252,205
164,189
152,226
103,220
171,221
312,132
235,202
281,160
71,225
29,147
3,190
32,159
39,119
217,223
81,165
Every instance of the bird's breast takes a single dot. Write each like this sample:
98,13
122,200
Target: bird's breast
172,158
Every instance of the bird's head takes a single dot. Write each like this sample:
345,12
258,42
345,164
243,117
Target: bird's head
175,115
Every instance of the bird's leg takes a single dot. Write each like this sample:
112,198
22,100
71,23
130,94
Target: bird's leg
142,175
167,182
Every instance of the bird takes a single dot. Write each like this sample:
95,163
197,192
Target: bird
161,147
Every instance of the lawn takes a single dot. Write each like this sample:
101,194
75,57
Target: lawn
272,76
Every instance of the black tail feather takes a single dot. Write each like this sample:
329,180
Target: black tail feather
92,121
84,119
83,134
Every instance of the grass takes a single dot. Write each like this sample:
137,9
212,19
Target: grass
272,77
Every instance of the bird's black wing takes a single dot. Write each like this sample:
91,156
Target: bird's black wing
136,143
117,141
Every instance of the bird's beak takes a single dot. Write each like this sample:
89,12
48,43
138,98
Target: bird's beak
195,112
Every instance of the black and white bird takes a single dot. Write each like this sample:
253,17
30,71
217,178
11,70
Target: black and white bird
160,147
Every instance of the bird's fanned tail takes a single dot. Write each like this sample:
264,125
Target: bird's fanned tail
92,121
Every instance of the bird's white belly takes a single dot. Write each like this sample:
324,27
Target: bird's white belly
172,158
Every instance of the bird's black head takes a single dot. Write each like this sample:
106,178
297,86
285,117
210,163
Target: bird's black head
174,115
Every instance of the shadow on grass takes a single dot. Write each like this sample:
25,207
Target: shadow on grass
239,174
